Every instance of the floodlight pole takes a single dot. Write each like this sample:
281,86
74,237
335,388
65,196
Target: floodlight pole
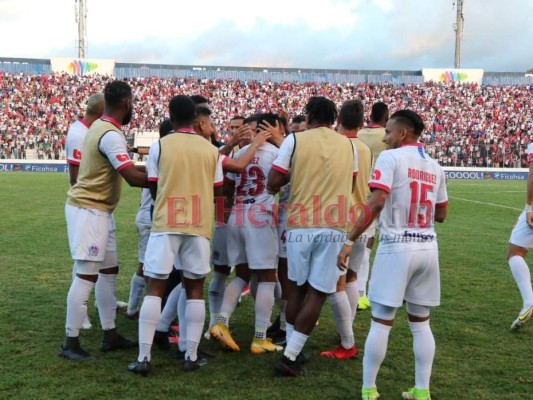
81,20
458,28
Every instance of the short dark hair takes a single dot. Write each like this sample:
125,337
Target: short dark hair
411,119
202,111
321,110
271,118
351,114
378,112
115,92
237,117
198,99
182,110
298,119
251,118
165,128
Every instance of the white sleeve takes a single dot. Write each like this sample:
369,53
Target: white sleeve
442,194
113,145
219,172
282,163
355,160
74,144
152,168
383,173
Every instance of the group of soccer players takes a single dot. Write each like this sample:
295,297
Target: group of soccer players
310,244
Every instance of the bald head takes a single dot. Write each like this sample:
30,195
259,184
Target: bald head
95,106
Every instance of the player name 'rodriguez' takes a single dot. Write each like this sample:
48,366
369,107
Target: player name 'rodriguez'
421,175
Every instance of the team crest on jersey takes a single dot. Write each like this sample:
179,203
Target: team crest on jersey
421,152
122,157
376,175
93,250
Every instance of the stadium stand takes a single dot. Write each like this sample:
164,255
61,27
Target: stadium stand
466,124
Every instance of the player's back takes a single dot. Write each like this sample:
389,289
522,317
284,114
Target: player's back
416,184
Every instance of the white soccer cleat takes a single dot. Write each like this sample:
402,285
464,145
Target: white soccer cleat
86,323
121,305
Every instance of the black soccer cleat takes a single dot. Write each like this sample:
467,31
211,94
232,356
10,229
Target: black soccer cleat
113,341
140,367
161,340
189,365
287,367
72,350
275,327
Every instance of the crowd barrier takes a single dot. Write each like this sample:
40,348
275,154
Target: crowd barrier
509,174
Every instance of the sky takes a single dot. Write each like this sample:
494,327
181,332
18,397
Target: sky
331,34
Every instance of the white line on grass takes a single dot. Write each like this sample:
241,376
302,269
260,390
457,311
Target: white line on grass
485,203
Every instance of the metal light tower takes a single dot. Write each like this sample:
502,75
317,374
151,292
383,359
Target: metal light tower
458,28
81,20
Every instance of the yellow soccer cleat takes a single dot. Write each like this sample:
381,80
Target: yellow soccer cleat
260,346
222,335
416,394
369,394
522,319
363,303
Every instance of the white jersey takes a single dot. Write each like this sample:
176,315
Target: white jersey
74,143
143,213
416,185
250,185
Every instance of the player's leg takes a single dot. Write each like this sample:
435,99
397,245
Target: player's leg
364,269
86,321
217,287
521,239
278,330
423,349
376,346
264,301
163,336
138,284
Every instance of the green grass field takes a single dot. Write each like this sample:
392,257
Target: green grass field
477,357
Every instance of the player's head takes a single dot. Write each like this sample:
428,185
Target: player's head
351,115
250,121
296,123
380,113
203,125
235,123
200,100
320,111
119,101
165,128
404,126
182,112
95,105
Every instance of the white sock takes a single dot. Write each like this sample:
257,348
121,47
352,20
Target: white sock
106,300
342,314
522,276
194,318
170,310
137,286
353,297
263,308
289,329
148,317
375,350
77,298
424,349
182,302
295,345
362,274
231,299
282,316
217,287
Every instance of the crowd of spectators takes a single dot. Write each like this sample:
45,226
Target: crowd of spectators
466,124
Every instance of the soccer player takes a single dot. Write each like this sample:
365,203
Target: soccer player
409,195
252,245
520,242
296,123
73,146
323,167
372,135
143,222
90,223
344,300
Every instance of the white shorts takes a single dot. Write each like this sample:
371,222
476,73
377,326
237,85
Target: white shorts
256,246
91,235
412,276
522,234
143,230
220,246
358,249
189,253
282,238
312,257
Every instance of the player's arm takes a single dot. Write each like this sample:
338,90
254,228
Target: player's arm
243,132
441,206
152,169
133,176
440,213
275,130
279,173
372,209
73,170
238,165
529,200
